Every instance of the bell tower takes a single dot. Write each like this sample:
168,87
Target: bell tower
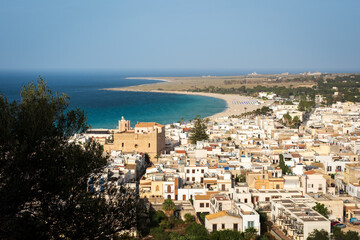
124,125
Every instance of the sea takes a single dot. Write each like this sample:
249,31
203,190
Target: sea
104,108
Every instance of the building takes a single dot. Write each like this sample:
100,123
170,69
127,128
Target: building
297,220
146,137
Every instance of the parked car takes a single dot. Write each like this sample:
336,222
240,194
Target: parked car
340,225
334,222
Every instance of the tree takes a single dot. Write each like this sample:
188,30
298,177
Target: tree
296,122
226,235
250,234
168,206
287,119
320,208
189,218
340,235
318,235
196,232
284,168
44,177
198,132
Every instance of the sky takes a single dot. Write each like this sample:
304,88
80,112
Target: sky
247,35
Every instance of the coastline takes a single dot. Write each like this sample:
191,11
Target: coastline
236,104
149,78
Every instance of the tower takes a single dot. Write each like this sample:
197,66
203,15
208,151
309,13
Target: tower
124,125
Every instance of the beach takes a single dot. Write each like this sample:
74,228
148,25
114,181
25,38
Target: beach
236,104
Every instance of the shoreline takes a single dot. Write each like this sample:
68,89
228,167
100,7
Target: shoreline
236,104
149,78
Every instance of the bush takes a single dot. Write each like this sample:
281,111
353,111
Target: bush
189,218
159,234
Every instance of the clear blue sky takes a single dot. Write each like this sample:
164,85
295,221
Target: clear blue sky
255,35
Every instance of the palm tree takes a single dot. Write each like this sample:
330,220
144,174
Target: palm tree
250,233
168,207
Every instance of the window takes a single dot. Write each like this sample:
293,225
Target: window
220,206
187,179
193,179
320,187
122,144
223,226
245,200
202,170
188,171
136,145
207,204
201,205
214,227
250,224
267,199
149,144
277,186
193,171
235,227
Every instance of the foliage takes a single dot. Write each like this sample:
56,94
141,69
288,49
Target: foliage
44,177
287,119
226,235
263,222
348,88
202,216
306,105
156,217
250,234
264,111
168,205
196,232
320,208
165,224
284,168
198,132
189,218
349,235
240,178
159,234
176,236
318,235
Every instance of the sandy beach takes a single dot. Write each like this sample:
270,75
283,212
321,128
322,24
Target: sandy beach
236,104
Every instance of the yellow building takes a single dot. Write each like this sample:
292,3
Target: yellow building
263,180
147,137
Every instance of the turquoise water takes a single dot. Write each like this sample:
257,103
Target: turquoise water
105,108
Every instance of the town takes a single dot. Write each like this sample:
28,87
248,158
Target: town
296,167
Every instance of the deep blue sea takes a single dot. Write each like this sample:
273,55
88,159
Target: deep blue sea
105,108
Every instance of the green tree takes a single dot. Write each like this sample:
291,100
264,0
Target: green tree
318,235
189,218
340,235
226,235
320,208
196,232
45,178
198,132
296,122
287,119
159,233
284,168
168,206
250,234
